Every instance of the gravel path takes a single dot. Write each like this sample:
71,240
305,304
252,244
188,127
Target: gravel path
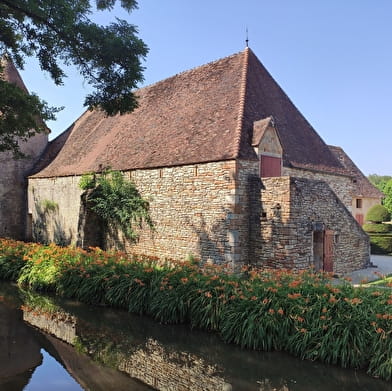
383,265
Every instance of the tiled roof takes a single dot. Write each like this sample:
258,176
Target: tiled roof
202,115
302,146
259,128
364,187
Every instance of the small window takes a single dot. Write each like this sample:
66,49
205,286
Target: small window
359,203
270,166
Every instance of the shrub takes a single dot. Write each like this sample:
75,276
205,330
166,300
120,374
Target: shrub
381,243
378,214
49,206
377,228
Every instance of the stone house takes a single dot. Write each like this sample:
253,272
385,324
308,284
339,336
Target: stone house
233,171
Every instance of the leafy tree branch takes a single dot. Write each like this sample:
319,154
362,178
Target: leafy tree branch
60,32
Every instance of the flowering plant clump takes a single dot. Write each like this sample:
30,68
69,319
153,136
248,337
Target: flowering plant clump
300,312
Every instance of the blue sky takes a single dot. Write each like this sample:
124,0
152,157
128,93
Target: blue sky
333,58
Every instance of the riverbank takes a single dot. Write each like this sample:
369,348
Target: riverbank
302,313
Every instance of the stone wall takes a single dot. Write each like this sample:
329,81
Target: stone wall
193,208
13,186
342,186
291,210
219,212
55,207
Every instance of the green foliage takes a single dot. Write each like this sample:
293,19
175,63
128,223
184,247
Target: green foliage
49,206
12,254
87,181
381,243
379,180
117,201
384,184
377,228
387,202
378,214
299,312
19,113
60,32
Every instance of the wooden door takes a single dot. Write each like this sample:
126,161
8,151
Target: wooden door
359,218
328,250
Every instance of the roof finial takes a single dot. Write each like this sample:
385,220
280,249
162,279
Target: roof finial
247,39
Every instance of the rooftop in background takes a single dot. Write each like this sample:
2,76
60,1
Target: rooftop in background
363,185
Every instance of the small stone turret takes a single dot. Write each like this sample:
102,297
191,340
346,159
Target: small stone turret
14,219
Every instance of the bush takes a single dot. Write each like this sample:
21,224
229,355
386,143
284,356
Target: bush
378,214
381,244
377,228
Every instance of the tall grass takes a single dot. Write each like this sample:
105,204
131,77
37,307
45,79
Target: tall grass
300,312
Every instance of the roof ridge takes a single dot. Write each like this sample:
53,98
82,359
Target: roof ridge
242,101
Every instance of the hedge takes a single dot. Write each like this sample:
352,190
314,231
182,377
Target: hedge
381,244
377,228
378,214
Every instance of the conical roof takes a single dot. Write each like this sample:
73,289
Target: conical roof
202,115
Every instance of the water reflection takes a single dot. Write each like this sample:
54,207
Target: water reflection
167,357
32,360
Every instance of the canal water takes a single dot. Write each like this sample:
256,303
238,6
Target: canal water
52,344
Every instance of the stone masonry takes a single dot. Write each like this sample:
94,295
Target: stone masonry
341,185
13,187
220,212
291,209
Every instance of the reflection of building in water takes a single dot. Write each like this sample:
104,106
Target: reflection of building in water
175,358
19,352
150,363
60,324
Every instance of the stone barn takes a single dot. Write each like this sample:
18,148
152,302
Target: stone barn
234,174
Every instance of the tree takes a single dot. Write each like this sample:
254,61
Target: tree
387,202
59,32
379,180
384,184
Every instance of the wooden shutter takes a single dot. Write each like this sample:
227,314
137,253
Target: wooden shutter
328,251
270,166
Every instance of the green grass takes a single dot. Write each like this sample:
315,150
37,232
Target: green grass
385,282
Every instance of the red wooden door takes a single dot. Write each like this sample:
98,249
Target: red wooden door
270,166
328,251
359,218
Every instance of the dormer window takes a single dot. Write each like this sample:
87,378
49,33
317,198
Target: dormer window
268,147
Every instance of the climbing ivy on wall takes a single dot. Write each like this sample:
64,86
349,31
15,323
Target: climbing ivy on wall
116,201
